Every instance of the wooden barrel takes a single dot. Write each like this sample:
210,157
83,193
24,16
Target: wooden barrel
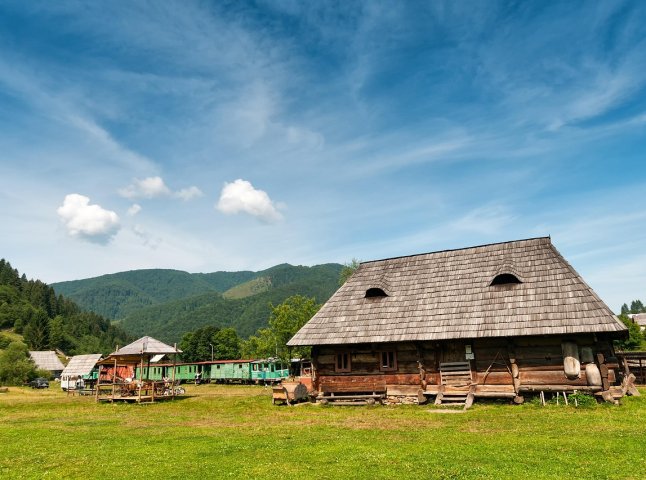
593,375
571,363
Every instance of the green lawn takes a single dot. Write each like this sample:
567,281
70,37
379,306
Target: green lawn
235,432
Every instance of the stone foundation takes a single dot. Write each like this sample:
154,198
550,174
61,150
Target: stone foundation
401,400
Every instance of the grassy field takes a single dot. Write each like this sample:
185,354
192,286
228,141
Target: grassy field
235,432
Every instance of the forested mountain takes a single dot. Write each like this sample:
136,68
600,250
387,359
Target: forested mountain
116,295
48,321
167,303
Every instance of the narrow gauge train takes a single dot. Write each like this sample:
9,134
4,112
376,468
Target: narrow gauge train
218,371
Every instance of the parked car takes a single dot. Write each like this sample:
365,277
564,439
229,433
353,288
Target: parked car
39,383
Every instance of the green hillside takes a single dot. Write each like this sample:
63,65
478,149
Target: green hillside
147,303
247,289
116,295
46,321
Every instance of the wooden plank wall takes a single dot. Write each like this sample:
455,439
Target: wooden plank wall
539,361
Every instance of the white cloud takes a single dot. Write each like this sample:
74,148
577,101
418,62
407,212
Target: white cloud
154,187
150,187
189,193
241,197
88,222
134,209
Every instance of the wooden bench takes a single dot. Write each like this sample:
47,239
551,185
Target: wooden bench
352,392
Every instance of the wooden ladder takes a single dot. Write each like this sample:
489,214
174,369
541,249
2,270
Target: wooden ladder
456,386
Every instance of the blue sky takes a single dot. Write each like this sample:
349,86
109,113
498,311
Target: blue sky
238,135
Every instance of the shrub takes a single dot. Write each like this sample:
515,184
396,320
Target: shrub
16,367
583,400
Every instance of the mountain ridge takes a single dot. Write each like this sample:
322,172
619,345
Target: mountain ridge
167,303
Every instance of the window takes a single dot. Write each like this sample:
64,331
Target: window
388,361
505,279
375,293
342,362
240,366
218,367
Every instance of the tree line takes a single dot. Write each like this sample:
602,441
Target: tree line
636,338
285,319
47,321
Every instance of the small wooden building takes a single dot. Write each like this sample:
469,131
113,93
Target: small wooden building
113,384
78,371
495,320
48,360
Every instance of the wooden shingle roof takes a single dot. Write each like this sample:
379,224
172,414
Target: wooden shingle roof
447,295
146,346
47,360
81,365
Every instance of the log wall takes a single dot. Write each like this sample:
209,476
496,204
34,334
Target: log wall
500,366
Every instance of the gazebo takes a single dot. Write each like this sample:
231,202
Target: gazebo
118,373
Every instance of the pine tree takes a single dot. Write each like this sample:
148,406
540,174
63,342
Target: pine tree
637,306
36,332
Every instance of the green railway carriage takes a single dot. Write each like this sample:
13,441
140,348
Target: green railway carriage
220,371
225,371
154,372
268,371
184,372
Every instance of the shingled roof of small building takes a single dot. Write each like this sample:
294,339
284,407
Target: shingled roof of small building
46,360
81,365
146,346
448,295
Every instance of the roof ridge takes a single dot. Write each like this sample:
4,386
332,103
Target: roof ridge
458,249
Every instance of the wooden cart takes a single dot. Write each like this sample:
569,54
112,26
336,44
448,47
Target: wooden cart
289,392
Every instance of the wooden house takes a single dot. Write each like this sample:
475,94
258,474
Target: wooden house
639,319
78,371
49,361
496,320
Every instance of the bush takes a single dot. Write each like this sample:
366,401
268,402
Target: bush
583,400
16,368
4,341
38,373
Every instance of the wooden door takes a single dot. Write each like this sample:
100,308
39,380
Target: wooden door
452,352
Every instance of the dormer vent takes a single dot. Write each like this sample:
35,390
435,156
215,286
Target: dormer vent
375,293
505,279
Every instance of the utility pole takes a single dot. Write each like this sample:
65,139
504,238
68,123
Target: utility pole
211,345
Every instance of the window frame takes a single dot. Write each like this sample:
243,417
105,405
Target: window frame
390,365
343,362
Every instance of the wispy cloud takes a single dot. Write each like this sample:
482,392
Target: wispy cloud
146,237
189,193
150,187
155,187
134,209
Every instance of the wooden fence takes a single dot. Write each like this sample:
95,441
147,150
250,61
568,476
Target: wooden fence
636,364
